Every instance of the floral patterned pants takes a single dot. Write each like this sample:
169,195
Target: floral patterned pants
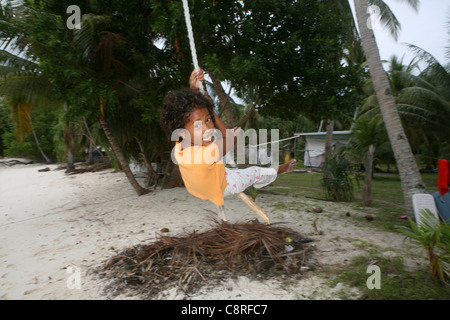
240,179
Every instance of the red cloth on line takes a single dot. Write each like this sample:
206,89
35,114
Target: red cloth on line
443,176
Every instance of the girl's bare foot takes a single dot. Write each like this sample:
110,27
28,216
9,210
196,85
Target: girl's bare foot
287,167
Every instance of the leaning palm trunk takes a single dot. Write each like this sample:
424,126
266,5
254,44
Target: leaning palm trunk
120,157
47,159
411,179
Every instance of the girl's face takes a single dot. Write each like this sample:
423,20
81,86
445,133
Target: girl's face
200,127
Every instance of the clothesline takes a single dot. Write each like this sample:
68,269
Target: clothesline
263,144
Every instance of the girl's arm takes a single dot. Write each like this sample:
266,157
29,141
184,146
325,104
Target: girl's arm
228,144
195,77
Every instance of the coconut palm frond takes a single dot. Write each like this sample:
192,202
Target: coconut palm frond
87,37
415,4
23,88
400,79
10,71
188,260
12,36
363,132
32,89
104,53
438,76
422,54
370,103
434,237
21,112
418,116
9,59
434,66
422,82
8,30
387,18
430,99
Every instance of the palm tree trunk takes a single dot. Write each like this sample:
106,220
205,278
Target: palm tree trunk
70,165
37,140
122,161
152,174
248,115
47,159
367,189
92,144
68,137
329,138
328,146
69,141
411,179
223,99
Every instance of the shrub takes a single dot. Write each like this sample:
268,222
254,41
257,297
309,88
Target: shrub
336,181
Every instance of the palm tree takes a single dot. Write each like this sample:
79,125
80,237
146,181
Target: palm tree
23,88
411,179
435,239
367,135
92,56
98,45
428,94
22,83
425,104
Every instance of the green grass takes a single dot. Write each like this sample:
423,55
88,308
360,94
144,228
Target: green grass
306,184
387,195
386,188
396,283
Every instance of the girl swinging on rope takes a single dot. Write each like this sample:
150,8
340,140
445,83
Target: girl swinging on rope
199,155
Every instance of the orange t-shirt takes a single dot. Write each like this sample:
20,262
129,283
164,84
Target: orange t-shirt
202,171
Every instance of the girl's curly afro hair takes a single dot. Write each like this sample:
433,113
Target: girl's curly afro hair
178,106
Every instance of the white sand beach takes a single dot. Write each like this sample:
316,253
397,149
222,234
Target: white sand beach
56,228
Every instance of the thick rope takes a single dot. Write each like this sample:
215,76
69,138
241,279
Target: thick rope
187,17
244,198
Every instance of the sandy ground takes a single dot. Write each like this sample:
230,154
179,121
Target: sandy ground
55,229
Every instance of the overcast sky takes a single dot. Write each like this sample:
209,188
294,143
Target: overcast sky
427,29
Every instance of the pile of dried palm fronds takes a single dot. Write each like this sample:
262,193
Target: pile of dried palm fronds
199,258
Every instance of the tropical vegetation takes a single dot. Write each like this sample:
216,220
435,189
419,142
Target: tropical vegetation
270,64
434,236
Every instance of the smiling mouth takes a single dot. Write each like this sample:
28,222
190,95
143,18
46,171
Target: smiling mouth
208,136
208,139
